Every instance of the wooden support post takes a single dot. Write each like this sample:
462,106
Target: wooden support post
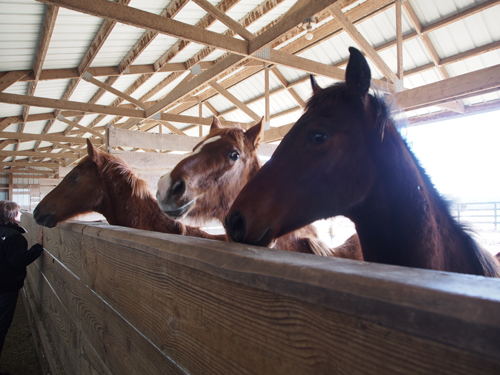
267,123
11,186
399,39
200,109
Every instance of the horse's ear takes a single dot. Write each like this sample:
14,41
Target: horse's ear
357,74
256,133
215,124
315,87
92,152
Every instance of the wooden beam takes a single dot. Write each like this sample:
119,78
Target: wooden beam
196,120
111,89
267,111
235,101
459,87
77,125
399,40
180,45
286,23
172,9
211,108
225,19
209,74
69,105
146,20
277,133
286,85
10,78
172,128
26,164
362,42
459,16
63,155
46,138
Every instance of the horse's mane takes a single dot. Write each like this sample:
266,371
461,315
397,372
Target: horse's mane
113,164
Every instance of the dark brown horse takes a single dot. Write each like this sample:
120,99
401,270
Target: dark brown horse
204,185
344,156
104,183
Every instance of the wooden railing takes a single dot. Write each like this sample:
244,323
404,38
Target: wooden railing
113,300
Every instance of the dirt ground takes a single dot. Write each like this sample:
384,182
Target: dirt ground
19,354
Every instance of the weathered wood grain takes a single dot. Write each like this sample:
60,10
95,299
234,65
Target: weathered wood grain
147,302
123,349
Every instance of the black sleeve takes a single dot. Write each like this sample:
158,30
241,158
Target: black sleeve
18,255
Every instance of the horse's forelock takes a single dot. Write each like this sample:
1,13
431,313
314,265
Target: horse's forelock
325,100
112,164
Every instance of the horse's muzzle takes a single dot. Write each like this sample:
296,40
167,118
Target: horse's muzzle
46,220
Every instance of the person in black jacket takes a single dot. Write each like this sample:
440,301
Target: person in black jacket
14,257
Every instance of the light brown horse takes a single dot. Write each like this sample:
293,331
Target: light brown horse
204,185
104,183
345,156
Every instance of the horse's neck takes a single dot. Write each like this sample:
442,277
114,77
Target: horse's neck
121,207
404,221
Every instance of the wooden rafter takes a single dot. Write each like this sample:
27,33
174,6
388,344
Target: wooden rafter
235,101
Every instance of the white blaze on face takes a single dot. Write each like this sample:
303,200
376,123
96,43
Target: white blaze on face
163,186
207,141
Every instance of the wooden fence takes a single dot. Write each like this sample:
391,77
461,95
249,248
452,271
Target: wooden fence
113,300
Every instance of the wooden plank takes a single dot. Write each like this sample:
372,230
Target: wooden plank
146,20
171,142
459,87
399,40
227,294
198,121
10,78
209,74
61,104
124,349
81,127
235,101
48,138
149,161
277,133
225,19
48,181
460,16
111,89
50,360
171,10
285,24
62,155
28,164
362,42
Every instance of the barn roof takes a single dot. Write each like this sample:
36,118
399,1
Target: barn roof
70,68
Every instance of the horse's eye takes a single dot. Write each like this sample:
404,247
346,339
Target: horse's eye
234,155
319,137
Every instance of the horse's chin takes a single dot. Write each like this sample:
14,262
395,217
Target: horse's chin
178,213
47,220
267,239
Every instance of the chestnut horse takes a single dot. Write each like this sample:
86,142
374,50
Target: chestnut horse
104,183
344,156
204,185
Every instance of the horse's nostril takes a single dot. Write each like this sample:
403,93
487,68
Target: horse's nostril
236,227
178,189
